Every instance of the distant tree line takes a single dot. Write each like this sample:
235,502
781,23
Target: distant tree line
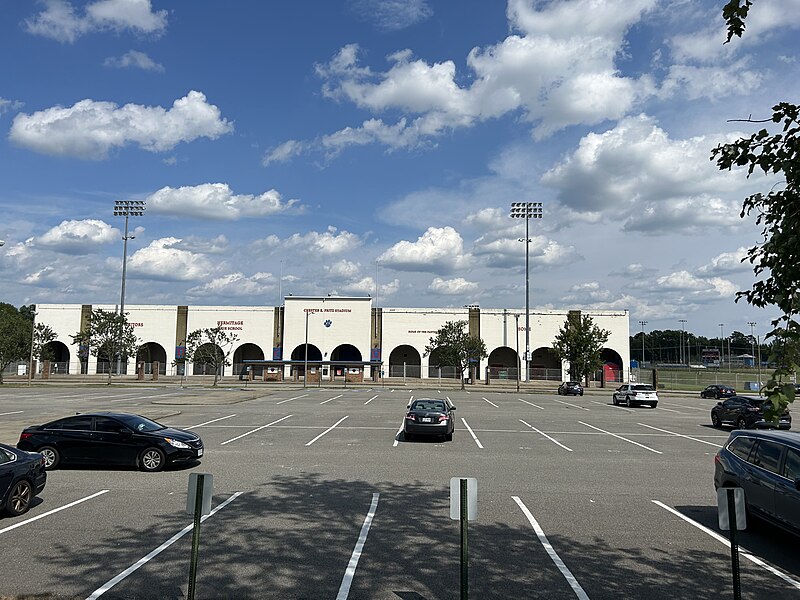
664,346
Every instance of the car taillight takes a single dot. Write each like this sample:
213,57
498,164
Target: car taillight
442,418
410,417
24,436
717,460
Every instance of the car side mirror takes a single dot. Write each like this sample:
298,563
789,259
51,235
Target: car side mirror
719,403
452,408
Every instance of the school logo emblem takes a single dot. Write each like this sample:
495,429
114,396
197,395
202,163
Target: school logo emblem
328,323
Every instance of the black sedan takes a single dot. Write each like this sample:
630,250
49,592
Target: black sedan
747,412
22,477
570,388
718,391
111,438
429,416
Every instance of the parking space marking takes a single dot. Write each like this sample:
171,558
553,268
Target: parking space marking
742,551
50,512
238,437
570,404
612,405
211,421
142,561
344,589
556,442
371,399
531,403
688,437
399,431
329,399
622,438
668,410
573,583
492,403
691,407
13,412
327,430
290,399
474,437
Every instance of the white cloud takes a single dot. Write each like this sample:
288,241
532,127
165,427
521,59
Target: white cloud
79,237
315,243
499,250
217,201
90,129
713,82
9,105
236,285
344,269
284,152
452,287
61,22
392,15
438,250
163,260
726,263
136,59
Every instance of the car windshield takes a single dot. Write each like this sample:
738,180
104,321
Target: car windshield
138,423
643,388
428,405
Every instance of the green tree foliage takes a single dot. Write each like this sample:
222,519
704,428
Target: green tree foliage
212,346
42,336
580,342
456,347
15,336
108,335
776,260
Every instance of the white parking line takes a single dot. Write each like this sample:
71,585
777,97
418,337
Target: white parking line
142,561
545,435
492,403
622,438
472,433
329,399
238,437
371,399
573,583
570,404
327,430
13,412
688,437
612,405
399,431
344,589
705,410
531,403
50,512
211,421
742,552
668,410
290,399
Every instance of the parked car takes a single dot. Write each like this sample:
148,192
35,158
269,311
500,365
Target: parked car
747,412
111,438
766,464
570,388
22,478
635,394
718,391
429,416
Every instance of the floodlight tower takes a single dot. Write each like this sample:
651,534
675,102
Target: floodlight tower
126,208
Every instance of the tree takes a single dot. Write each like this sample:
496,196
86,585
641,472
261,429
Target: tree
457,347
580,342
775,260
211,346
42,335
15,336
109,335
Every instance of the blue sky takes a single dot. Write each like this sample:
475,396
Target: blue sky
333,141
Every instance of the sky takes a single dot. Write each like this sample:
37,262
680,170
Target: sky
375,147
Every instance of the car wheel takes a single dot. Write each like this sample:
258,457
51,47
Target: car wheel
19,500
448,437
716,396
653,404
715,421
152,460
741,423
614,400
628,401
581,393
51,457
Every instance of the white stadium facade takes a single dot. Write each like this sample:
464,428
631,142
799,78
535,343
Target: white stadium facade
330,338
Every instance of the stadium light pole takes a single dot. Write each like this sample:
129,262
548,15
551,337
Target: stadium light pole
752,338
527,211
642,323
30,361
683,323
125,208
721,344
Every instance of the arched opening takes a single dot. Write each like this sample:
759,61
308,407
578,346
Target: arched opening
503,363
344,353
205,357
299,353
405,361
58,355
612,366
545,365
150,353
115,364
247,352
437,368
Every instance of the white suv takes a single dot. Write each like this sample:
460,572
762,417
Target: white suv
633,394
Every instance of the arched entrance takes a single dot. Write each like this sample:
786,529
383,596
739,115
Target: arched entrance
545,365
247,352
344,353
503,363
115,364
299,353
58,355
148,354
205,357
612,366
437,368
405,361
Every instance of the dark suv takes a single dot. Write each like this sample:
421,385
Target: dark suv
766,464
570,388
718,391
747,412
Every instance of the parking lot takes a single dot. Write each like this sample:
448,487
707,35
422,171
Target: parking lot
318,496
